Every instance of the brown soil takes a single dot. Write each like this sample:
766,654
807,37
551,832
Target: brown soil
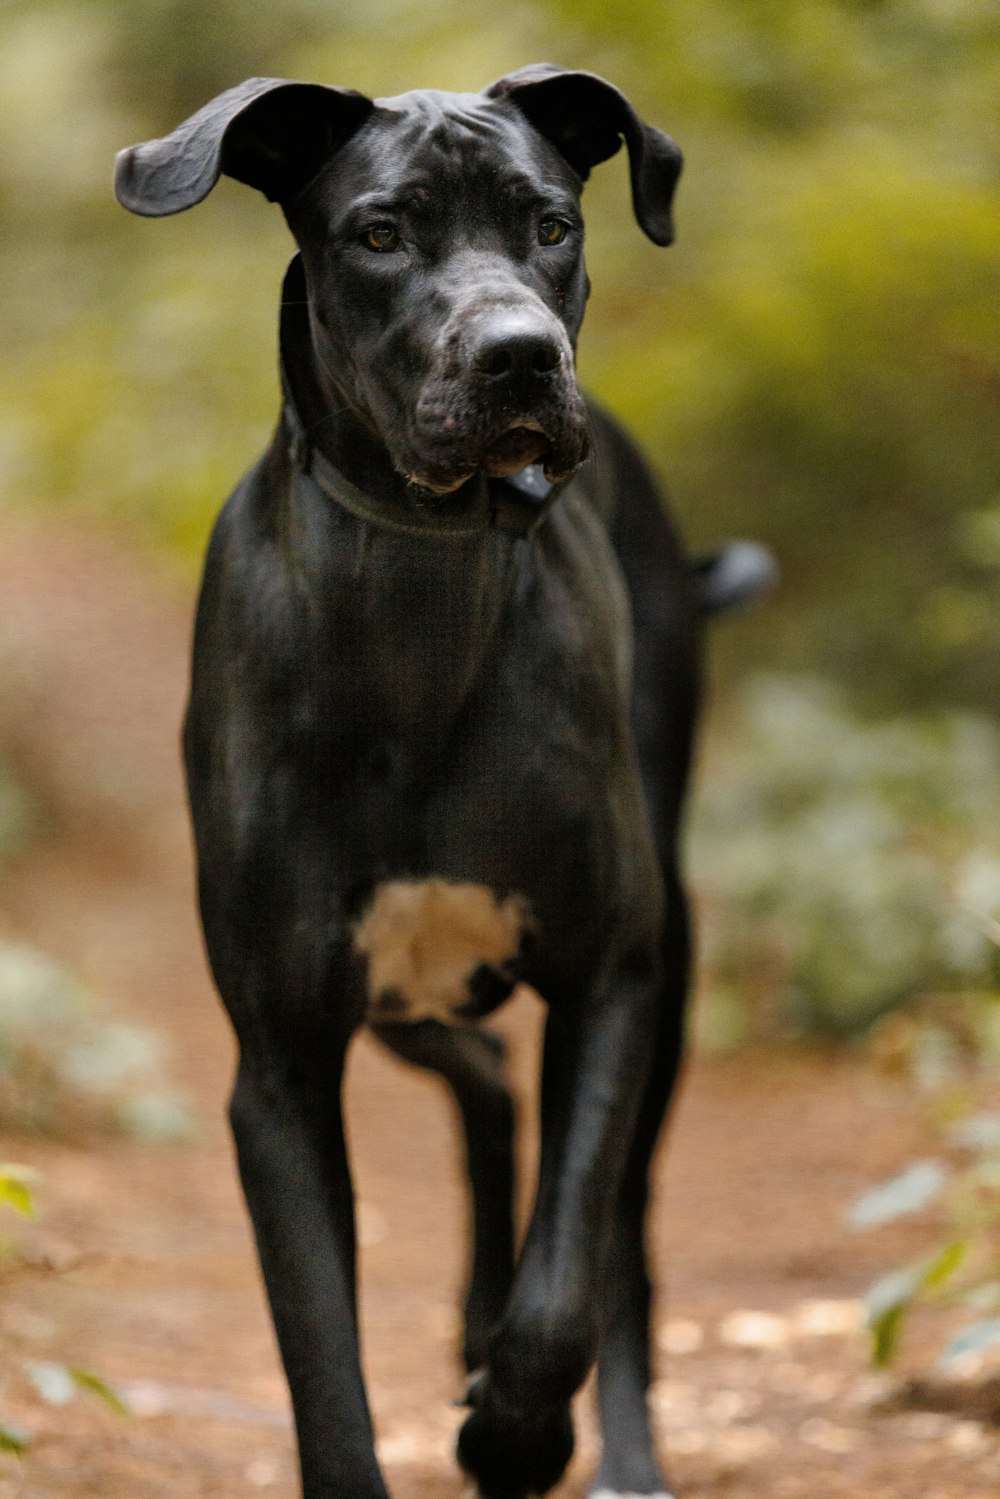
143,1268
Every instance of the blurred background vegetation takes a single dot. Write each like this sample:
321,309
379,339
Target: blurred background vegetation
815,364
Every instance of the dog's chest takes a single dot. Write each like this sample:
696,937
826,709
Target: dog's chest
416,654
481,774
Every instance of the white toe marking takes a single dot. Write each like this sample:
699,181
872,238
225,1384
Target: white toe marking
613,1494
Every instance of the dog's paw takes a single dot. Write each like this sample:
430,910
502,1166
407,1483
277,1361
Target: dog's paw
511,1453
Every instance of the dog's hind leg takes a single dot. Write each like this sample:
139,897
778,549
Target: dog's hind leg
471,1062
628,1462
667,612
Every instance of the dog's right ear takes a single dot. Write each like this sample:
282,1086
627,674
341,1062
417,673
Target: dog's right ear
586,118
272,133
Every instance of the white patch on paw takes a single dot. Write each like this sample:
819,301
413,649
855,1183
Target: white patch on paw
424,939
613,1494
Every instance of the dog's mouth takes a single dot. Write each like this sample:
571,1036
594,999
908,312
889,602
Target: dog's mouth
514,449
522,443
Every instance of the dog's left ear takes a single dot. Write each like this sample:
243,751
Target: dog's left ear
585,118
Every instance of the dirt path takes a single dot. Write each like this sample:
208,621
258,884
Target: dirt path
157,1287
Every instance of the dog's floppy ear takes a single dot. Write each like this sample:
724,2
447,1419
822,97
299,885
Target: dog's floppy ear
272,133
586,118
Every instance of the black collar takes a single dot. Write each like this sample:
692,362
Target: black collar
518,504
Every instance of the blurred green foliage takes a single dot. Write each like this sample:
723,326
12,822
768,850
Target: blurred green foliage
66,1070
946,1051
57,1384
843,866
815,363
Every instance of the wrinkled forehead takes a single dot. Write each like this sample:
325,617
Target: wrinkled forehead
428,139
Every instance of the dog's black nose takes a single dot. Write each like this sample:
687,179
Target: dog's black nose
515,350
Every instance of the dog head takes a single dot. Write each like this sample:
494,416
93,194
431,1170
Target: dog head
442,243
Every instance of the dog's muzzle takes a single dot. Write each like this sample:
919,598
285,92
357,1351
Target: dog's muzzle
507,399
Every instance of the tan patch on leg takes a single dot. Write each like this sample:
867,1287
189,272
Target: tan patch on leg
424,939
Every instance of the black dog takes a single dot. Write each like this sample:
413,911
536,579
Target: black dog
423,767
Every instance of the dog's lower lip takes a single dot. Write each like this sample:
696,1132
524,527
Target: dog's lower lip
520,444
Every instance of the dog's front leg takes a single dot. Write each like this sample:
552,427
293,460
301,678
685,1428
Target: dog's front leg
286,1118
519,1437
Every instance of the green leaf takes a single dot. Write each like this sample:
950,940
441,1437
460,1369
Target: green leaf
887,1302
972,1339
891,1297
14,1438
15,1189
885,1336
101,1388
942,1266
897,1289
906,1193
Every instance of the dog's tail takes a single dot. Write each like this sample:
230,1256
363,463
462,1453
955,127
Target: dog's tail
733,576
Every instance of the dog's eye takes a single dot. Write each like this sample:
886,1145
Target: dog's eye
383,238
552,231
